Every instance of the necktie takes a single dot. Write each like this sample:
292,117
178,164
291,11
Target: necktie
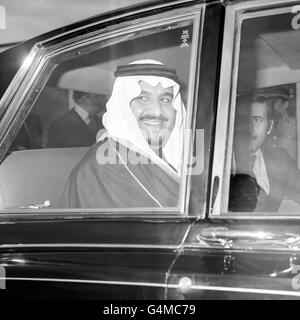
94,123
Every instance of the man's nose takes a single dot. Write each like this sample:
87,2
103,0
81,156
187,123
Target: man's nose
156,108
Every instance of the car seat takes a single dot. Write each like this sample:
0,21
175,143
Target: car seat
35,176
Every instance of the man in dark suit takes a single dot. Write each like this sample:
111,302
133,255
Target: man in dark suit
267,173
78,127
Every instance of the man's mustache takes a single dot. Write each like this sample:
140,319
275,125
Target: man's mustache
153,117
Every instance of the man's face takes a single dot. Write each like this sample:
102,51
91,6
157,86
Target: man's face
95,103
154,111
252,125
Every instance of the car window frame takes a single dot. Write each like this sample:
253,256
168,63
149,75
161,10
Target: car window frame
234,16
37,68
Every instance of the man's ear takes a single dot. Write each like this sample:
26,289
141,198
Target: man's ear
270,127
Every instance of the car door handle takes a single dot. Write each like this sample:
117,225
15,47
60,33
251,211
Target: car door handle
46,204
227,238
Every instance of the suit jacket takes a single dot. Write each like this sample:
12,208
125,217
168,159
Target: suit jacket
70,131
284,178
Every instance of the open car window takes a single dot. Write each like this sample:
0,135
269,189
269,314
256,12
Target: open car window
88,143
263,164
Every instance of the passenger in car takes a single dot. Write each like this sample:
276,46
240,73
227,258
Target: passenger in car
78,127
137,159
29,135
284,132
275,174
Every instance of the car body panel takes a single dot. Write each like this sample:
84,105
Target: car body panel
240,268
94,258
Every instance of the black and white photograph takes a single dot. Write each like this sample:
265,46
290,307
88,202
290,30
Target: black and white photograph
149,152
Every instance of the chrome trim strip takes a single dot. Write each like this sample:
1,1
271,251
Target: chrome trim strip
258,4
160,285
125,29
246,290
159,217
105,282
7,96
88,245
263,216
24,86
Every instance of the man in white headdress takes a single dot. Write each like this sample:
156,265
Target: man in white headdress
137,162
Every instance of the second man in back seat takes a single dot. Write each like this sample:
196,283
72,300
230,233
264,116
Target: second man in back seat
78,127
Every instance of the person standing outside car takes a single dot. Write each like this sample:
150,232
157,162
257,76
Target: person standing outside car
144,120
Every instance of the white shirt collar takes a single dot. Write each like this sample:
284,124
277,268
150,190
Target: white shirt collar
83,114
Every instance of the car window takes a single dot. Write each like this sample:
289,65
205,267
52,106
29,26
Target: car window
264,158
111,125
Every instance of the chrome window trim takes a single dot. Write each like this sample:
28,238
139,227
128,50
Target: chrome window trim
86,246
68,215
89,281
243,290
193,81
33,74
257,4
177,286
225,88
16,91
235,14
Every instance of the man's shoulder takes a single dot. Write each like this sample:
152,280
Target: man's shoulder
67,116
94,153
277,159
275,153
101,162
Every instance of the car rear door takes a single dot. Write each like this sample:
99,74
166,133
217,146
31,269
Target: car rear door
241,251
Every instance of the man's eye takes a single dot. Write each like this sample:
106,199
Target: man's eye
166,99
142,99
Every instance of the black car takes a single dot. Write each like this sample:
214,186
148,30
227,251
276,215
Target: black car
219,241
